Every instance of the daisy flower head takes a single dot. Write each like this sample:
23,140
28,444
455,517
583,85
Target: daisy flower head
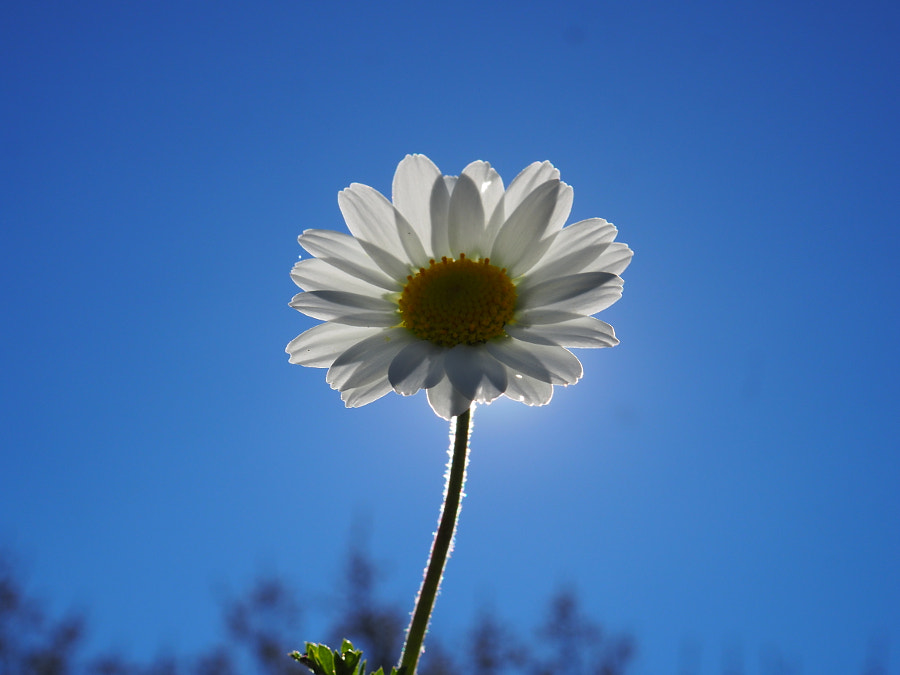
457,286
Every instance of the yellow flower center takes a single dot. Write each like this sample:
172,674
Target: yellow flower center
454,302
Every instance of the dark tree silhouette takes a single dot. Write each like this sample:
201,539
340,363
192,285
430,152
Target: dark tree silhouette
30,642
437,660
372,626
492,647
579,645
263,624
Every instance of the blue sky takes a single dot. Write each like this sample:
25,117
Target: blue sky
727,478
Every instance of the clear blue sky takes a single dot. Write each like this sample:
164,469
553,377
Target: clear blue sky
726,478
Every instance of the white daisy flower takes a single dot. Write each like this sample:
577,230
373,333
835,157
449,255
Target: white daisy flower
458,287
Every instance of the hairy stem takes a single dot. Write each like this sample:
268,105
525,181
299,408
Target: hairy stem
443,543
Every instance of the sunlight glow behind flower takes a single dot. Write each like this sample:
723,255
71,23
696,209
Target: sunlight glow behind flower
458,287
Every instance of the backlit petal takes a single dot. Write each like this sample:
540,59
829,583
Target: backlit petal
446,401
347,254
573,249
314,274
370,217
465,218
526,182
563,207
520,241
393,266
475,373
490,187
585,332
614,258
373,220
360,396
319,346
414,181
419,365
488,182
349,308
367,360
439,204
546,363
582,293
528,390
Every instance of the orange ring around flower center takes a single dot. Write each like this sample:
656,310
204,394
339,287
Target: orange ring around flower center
458,301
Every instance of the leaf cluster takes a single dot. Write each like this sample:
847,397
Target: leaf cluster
322,660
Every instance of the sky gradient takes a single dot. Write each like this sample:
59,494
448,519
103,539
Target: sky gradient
726,480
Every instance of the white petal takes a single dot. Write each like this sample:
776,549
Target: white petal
528,390
526,182
446,401
439,204
465,219
495,220
614,258
347,254
392,265
414,181
314,274
538,317
573,249
349,308
582,293
474,373
360,396
319,346
369,216
490,186
450,183
546,363
372,219
409,238
563,208
488,182
585,332
419,365
520,242
523,185
368,360
373,368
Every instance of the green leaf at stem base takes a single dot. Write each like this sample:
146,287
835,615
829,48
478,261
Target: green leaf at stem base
322,660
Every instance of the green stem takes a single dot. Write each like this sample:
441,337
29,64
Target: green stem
440,549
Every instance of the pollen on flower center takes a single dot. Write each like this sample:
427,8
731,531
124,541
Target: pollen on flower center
458,301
